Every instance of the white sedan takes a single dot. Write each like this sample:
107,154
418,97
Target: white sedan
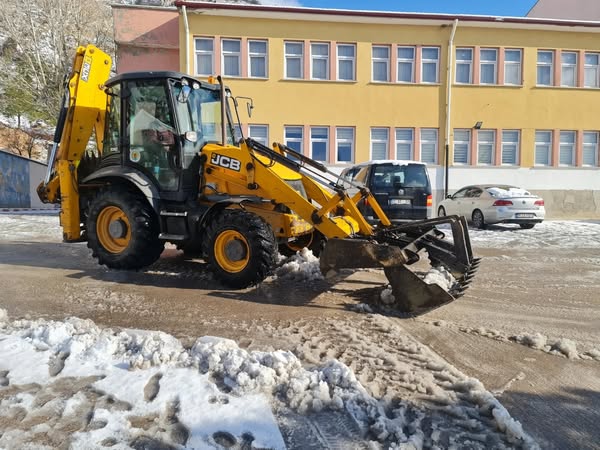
485,204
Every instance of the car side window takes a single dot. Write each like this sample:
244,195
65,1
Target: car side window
461,194
473,193
361,176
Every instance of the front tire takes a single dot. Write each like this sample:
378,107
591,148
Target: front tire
241,248
123,230
478,220
314,241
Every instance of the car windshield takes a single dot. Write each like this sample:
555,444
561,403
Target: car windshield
507,191
396,176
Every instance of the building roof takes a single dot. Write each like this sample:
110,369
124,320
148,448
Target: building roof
559,9
8,152
383,17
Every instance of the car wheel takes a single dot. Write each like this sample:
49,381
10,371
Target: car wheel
441,211
527,226
477,219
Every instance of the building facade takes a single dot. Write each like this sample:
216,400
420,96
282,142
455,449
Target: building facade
511,100
573,9
19,178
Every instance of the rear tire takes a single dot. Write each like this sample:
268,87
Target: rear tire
240,248
123,230
527,226
441,212
477,219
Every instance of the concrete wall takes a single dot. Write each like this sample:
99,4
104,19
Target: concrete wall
563,9
19,178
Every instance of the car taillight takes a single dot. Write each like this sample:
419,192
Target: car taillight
502,203
539,203
429,201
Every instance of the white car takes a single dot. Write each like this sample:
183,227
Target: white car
485,204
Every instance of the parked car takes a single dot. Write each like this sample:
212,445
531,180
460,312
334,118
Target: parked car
495,203
402,188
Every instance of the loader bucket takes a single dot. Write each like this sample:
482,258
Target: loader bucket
396,248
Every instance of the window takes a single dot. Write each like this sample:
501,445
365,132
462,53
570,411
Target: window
429,63
319,143
464,65
592,70
429,145
545,64
294,60
381,63
512,66
510,147
566,152
543,147
488,64
404,143
462,146
406,64
204,56
346,55
379,143
260,133
257,59
568,72
590,148
486,143
344,144
293,138
231,51
319,54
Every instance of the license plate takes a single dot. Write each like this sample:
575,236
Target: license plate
524,216
399,201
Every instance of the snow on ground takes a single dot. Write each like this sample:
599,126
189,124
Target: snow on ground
144,387
34,225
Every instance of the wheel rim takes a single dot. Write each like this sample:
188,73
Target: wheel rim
300,242
114,231
477,219
232,251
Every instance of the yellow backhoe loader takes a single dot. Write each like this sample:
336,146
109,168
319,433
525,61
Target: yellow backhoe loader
169,165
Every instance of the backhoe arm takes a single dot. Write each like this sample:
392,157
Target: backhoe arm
83,111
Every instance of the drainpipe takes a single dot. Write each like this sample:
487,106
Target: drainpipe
186,27
449,105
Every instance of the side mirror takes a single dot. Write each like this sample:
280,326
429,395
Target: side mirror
448,196
184,94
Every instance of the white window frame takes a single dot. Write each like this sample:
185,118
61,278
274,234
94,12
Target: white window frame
385,141
380,60
430,61
314,58
314,140
547,144
352,59
294,56
461,142
402,60
567,146
288,140
568,66
339,141
411,142
507,142
593,147
253,135
237,54
254,55
205,53
544,64
464,62
423,142
592,67
518,64
488,62
481,142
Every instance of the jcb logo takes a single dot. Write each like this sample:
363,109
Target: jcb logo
225,161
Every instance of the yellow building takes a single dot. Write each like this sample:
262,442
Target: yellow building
514,100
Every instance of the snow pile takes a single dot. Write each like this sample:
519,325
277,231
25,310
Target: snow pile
303,266
34,226
510,192
387,296
441,277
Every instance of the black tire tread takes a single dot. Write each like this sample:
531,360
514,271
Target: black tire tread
261,239
144,248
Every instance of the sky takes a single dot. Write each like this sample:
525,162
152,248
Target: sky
485,7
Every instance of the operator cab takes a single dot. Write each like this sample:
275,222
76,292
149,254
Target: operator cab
157,124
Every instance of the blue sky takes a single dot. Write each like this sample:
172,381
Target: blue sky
485,7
